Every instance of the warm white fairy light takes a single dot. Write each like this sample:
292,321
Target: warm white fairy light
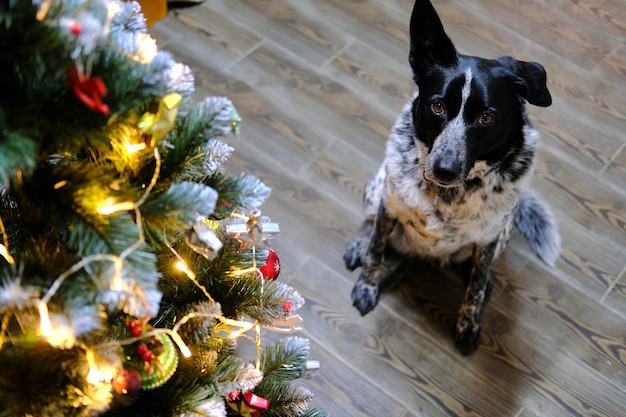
182,265
4,252
146,48
60,184
109,206
46,326
4,247
239,272
43,9
131,148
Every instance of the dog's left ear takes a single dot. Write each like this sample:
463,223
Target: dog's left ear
429,43
532,80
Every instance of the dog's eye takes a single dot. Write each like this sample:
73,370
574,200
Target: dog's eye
438,108
486,119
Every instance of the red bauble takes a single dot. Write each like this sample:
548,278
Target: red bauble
271,269
127,381
135,327
75,28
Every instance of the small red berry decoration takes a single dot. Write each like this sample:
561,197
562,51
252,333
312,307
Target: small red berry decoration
75,28
287,307
146,354
136,327
271,269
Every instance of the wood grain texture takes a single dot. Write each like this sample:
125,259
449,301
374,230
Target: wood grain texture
318,85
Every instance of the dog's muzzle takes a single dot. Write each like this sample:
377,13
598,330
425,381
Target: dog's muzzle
445,172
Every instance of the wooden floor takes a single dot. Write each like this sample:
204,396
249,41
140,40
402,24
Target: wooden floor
318,84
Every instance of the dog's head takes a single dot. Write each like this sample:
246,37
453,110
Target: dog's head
469,109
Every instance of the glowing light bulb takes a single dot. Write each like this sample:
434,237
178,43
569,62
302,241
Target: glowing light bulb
45,326
60,184
183,267
146,48
6,255
110,207
134,147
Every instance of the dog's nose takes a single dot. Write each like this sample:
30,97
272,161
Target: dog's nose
447,168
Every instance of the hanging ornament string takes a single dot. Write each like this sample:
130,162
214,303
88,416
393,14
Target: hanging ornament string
252,231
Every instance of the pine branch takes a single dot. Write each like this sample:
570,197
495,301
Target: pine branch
285,400
284,360
242,194
179,206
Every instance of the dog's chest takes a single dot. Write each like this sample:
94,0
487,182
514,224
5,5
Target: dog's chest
438,227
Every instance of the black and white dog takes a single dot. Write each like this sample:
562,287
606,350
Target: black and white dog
454,180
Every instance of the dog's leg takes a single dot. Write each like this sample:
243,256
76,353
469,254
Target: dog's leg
357,248
477,294
372,197
366,289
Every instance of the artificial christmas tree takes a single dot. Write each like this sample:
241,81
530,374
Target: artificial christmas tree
130,261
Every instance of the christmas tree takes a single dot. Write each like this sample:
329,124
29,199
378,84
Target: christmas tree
133,267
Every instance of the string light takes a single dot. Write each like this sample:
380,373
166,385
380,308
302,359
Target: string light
183,267
4,247
60,184
6,255
146,49
109,207
132,148
117,282
43,9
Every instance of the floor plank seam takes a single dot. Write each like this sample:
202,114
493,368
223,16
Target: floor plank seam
611,160
245,54
613,284
334,56
596,69
519,413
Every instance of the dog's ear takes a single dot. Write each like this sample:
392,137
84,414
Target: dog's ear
532,80
429,43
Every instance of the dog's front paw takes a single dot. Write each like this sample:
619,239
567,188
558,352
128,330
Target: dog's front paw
364,297
352,256
467,336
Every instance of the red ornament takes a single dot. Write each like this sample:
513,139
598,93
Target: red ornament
89,90
127,381
271,269
135,327
287,307
254,401
145,353
75,28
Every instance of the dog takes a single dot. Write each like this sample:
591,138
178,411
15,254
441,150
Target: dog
454,181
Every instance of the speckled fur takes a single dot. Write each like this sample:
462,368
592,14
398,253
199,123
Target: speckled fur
434,197
439,223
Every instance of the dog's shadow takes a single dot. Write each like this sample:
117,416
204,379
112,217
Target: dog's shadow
419,287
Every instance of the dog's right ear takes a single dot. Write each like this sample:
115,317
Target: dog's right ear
429,43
